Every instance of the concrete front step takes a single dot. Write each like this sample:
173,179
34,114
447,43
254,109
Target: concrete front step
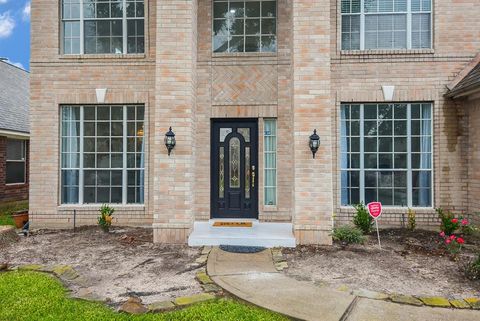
260,234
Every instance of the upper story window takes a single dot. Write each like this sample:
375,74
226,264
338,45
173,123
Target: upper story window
244,26
386,24
16,164
103,26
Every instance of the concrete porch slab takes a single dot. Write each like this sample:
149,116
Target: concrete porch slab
260,234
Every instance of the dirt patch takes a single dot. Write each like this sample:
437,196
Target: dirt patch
7,236
408,263
115,265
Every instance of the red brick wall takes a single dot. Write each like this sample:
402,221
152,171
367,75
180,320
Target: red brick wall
15,192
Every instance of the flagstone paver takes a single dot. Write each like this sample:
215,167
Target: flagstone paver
186,300
436,301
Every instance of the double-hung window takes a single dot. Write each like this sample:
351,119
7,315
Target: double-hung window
244,26
102,154
386,24
386,154
103,26
16,165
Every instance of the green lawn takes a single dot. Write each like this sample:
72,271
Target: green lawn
6,210
38,296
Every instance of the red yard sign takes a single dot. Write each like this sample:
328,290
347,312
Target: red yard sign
375,209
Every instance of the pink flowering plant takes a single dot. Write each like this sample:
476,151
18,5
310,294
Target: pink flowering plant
453,230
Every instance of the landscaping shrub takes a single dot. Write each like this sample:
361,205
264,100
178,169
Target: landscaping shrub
412,222
362,219
472,269
448,224
348,234
105,218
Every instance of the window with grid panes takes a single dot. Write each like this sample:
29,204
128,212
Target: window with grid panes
244,26
102,154
103,26
386,24
386,154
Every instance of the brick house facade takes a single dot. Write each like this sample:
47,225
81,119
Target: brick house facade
185,80
14,133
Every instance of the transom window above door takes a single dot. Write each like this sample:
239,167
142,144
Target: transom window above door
244,26
386,24
103,26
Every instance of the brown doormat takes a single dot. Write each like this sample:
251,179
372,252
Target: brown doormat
233,224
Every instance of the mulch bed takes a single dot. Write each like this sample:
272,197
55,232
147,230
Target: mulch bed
413,263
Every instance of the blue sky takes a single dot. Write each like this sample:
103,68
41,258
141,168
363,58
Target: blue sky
15,32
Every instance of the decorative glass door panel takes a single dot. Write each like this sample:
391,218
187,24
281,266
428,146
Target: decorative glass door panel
234,159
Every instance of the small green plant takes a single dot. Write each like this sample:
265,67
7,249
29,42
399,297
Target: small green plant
105,218
348,234
362,219
472,269
448,224
412,222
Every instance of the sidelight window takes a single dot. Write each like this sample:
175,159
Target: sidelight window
270,161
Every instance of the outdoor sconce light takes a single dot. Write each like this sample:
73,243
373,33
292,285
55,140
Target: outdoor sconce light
314,142
169,140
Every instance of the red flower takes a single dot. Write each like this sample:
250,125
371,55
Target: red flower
464,221
460,240
448,241
454,220
442,234
452,237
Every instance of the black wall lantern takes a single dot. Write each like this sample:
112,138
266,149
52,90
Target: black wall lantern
170,140
314,142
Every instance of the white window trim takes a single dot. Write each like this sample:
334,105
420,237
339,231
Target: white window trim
244,29
362,15
24,161
409,169
265,168
81,167
81,21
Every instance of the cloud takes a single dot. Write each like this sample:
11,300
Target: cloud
26,11
16,64
6,25
3,1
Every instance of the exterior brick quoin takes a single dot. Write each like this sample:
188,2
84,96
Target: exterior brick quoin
183,84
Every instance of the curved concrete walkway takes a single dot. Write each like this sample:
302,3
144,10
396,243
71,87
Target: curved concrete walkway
253,278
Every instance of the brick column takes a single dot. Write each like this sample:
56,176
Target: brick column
312,107
175,85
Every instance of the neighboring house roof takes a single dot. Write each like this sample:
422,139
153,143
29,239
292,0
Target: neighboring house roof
467,81
14,98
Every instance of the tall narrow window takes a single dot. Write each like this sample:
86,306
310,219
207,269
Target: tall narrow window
103,26
386,24
386,154
270,161
244,26
16,155
103,154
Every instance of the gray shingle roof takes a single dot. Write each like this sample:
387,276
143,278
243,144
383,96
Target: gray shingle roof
470,82
14,98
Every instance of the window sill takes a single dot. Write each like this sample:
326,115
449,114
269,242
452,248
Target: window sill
243,54
122,207
379,52
269,208
392,209
14,184
102,56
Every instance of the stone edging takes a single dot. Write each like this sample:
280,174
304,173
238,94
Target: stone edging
69,276
432,301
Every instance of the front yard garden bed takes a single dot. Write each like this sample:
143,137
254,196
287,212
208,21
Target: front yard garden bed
410,263
113,266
